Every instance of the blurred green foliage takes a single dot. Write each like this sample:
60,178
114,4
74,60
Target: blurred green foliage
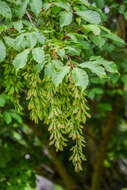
63,70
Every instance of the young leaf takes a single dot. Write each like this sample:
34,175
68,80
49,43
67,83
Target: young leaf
80,78
65,18
21,59
2,51
36,6
5,10
58,76
92,17
94,67
38,54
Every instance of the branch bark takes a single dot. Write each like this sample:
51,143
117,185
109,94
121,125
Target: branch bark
111,122
122,27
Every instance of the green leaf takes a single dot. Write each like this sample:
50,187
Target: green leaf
58,188
5,10
16,116
36,6
80,78
97,40
122,9
57,64
73,50
46,6
2,51
100,3
3,28
85,2
26,40
32,39
104,107
62,5
2,100
92,17
95,29
65,18
38,54
124,79
61,53
125,15
40,38
50,70
18,25
115,38
9,41
104,29
22,8
21,59
18,42
107,164
95,91
39,67
94,67
109,66
7,117
58,76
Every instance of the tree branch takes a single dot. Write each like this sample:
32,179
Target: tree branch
30,18
111,122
